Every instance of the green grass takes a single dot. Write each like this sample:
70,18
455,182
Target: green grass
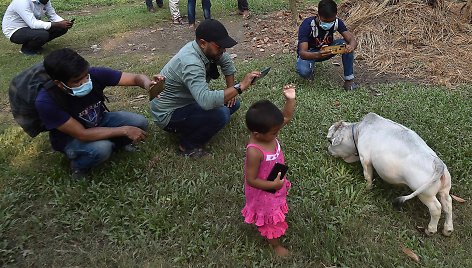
137,211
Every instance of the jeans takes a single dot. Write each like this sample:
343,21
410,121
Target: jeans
206,5
306,68
196,125
85,155
243,5
159,3
34,39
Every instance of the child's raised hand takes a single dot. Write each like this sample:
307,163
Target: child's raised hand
278,183
289,91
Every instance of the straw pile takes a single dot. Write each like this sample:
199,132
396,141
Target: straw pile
411,39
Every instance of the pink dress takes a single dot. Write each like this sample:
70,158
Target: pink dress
264,209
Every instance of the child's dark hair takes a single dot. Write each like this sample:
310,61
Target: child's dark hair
262,116
65,64
327,8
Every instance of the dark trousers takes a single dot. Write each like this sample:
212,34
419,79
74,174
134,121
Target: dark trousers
34,39
197,126
158,2
243,5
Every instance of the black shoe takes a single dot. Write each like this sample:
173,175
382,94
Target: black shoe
195,152
30,52
79,174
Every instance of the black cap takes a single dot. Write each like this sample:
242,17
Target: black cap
213,31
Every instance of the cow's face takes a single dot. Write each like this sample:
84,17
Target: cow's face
341,142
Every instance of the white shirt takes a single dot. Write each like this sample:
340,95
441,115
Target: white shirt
28,13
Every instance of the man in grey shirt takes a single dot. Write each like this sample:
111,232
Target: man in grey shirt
187,106
22,24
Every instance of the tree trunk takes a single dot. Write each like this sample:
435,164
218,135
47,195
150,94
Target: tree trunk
294,10
467,11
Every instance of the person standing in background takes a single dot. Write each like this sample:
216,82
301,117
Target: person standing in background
243,9
150,7
206,5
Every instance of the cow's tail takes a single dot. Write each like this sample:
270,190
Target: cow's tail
438,172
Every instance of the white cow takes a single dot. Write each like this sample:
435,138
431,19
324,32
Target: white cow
399,156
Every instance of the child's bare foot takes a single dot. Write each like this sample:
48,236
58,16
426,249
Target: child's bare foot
281,252
191,25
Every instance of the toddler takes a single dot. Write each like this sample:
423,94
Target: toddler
265,209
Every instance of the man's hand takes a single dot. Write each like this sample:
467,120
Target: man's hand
248,79
63,24
289,92
231,102
323,53
134,133
349,48
156,79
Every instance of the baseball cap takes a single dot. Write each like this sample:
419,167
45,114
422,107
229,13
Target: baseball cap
212,30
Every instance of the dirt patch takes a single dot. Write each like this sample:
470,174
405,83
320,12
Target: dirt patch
259,37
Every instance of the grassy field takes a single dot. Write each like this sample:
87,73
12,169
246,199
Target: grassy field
153,208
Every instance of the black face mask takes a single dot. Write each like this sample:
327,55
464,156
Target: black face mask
43,1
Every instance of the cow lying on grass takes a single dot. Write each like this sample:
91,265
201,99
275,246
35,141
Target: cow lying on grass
399,156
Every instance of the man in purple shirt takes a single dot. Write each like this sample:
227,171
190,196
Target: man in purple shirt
318,31
74,113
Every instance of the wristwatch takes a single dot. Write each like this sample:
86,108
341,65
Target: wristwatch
238,88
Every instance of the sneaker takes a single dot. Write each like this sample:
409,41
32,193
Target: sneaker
79,174
30,52
195,152
177,21
151,9
350,85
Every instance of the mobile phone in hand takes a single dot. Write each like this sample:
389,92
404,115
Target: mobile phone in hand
264,72
275,171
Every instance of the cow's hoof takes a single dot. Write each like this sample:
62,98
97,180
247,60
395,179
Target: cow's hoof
447,232
429,233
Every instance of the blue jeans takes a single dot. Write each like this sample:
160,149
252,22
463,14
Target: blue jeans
85,155
306,68
196,125
158,2
206,5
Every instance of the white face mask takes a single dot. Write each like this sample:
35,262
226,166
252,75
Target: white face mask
81,90
326,25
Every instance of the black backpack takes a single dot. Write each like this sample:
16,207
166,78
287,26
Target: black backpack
23,91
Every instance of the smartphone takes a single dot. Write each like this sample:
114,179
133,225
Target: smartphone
156,89
275,171
264,72
338,49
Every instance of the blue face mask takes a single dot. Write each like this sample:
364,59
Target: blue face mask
326,25
82,90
